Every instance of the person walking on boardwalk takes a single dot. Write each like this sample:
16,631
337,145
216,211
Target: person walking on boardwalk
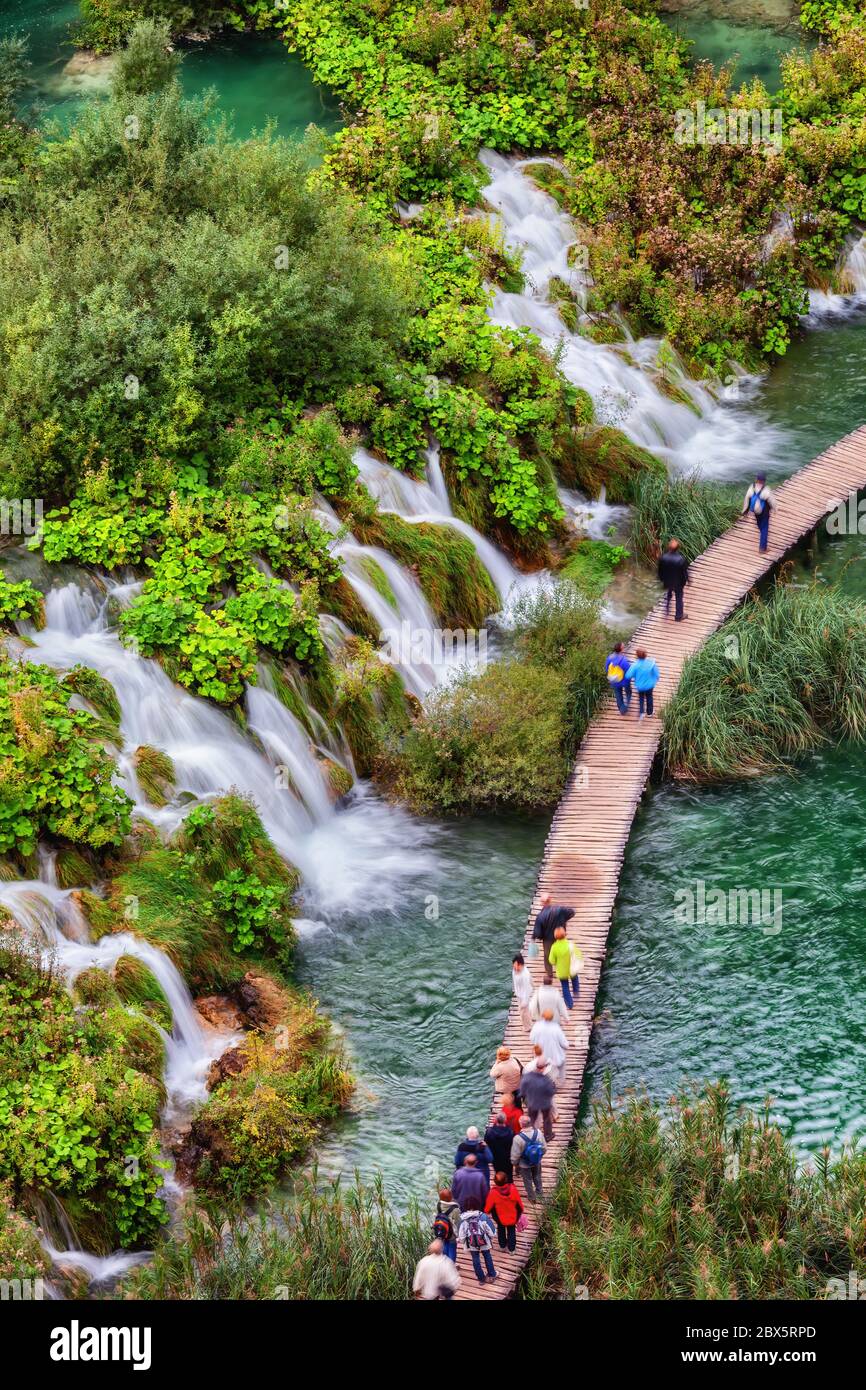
560,959
538,1093
470,1185
513,1113
616,668
549,1036
474,1144
538,1053
446,1221
476,1233
504,1205
673,573
544,929
521,983
759,501
498,1137
646,677
506,1072
527,1151
435,1275
547,996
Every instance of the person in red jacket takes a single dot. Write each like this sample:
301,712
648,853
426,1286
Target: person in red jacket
512,1112
504,1205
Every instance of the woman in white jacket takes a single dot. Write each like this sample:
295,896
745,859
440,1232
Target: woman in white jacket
548,1034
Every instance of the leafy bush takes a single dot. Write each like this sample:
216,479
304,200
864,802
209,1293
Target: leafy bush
251,911
198,261
18,602
75,1106
488,741
56,778
167,893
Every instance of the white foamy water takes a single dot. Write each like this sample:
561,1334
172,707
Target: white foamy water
361,854
824,306
712,433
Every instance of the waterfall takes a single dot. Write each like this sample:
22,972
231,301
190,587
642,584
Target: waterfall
44,915
593,519
712,432
824,306
418,502
364,851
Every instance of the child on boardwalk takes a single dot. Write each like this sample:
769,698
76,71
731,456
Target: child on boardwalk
645,674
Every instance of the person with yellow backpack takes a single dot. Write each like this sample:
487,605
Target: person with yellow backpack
616,669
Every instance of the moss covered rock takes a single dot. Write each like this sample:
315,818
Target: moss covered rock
605,458
268,1104
455,583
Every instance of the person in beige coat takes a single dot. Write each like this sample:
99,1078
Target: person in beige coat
506,1072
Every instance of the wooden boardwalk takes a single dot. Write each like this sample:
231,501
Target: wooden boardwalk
585,847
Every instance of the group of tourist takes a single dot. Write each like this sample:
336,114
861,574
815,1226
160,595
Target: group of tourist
483,1204
641,671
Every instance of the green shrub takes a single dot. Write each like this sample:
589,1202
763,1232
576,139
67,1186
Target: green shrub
19,602
487,741
79,1100
55,777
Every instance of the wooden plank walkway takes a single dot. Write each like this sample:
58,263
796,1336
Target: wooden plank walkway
585,847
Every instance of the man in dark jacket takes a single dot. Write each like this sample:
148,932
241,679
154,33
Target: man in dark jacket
548,919
469,1186
498,1137
674,575
538,1091
475,1145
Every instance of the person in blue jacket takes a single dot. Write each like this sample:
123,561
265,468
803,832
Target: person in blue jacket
645,674
474,1144
617,668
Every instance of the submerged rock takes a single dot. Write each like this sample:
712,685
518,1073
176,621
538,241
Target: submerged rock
780,15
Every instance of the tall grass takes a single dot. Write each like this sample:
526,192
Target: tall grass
337,1243
693,510
699,1202
781,677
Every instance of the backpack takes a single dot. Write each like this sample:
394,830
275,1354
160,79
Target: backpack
533,1150
475,1232
615,675
442,1228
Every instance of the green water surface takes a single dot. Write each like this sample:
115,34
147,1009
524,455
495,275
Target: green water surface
255,78
755,52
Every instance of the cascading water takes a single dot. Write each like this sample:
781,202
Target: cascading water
428,501
712,432
339,851
824,306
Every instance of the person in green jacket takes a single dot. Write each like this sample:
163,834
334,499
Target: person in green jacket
560,959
